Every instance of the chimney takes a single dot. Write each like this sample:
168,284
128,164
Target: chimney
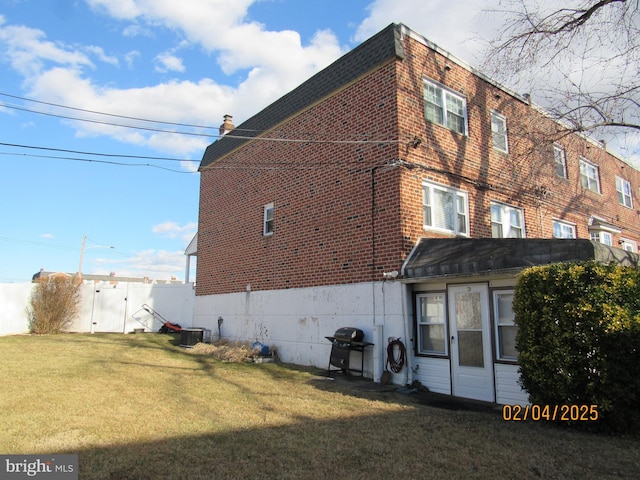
226,126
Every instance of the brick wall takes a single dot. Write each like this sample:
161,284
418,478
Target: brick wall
322,193
342,216
525,177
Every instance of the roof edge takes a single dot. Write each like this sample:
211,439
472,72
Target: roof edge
381,48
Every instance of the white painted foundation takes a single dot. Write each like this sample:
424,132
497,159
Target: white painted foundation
296,321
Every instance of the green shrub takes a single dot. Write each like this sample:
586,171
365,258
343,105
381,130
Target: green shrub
579,339
54,304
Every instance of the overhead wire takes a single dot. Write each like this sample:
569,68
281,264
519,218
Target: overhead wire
251,134
80,152
244,134
90,160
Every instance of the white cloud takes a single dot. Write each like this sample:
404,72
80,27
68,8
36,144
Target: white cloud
137,31
169,63
175,230
99,52
46,235
155,264
451,25
28,51
131,57
122,9
271,64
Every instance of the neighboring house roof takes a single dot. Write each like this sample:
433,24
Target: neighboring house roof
456,257
379,49
103,278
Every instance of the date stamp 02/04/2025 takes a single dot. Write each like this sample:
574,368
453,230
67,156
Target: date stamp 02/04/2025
550,413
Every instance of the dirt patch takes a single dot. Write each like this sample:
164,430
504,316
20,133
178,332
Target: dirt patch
226,351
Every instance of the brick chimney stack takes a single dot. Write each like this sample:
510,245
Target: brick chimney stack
226,126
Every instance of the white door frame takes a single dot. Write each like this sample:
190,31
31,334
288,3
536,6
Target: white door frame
472,374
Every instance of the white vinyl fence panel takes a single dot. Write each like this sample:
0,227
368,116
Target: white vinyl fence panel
115,308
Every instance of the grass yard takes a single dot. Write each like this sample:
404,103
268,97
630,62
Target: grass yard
139,407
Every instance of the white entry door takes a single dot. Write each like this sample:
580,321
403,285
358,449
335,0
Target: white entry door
470,340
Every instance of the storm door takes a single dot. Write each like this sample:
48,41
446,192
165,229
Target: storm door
470,342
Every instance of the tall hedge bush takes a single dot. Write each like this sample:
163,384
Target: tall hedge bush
579,339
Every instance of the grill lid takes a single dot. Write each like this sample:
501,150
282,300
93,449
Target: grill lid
349,334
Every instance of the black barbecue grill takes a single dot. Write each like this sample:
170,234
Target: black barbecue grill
344,341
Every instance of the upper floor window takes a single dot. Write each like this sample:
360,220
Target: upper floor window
623,187
445,208
267,228
628,245
499,132
506,221
432,333
506,328
563,229
589,176
560,159
444,107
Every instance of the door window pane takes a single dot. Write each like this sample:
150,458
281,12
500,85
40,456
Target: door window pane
470,349
468,311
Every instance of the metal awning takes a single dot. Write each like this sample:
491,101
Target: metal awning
457,257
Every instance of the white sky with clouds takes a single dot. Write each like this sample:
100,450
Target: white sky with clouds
188,62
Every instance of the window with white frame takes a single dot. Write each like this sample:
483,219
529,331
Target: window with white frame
432,333
560,159
506,328
444,107
267,228
602,237
589,175
499,132
445,208
563,229
628,245
623,188
506,221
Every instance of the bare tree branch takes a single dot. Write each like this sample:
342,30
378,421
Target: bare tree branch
581,61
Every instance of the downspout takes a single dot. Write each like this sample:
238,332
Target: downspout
407,339
405,314
378,332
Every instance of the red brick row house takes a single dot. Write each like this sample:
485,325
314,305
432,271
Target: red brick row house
400,191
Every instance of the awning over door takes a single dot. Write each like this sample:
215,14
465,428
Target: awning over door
455,257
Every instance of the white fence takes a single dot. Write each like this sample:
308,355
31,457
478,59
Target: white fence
105,307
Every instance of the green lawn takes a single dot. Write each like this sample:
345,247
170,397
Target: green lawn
139,407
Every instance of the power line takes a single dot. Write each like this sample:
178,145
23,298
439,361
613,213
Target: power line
274,165
89,160
67,117
102,113
206,127
252,134
80,152
60,247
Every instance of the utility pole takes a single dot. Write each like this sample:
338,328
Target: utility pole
84,239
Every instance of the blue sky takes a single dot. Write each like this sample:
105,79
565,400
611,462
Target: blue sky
187,63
